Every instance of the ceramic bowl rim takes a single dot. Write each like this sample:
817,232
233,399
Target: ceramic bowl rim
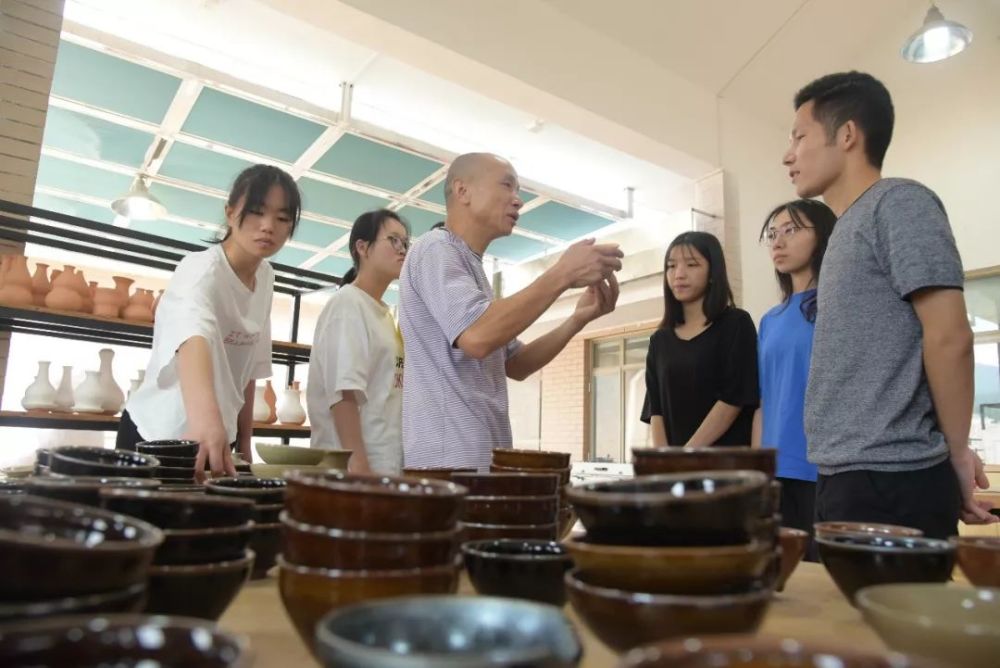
364,574
573,582
65,452
247,526
792,531
210,568
987,543
361,484
830,526
531,453
527,469
511,498
177,498
224,483
92,482
525,527
286,520
674,451
926,546
476,548
745,481
505,475
752,548
79,601
863,599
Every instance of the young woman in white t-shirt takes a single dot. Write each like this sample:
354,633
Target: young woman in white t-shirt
355,390
212,335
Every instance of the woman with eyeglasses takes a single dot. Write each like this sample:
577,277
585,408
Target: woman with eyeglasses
796,233
355,391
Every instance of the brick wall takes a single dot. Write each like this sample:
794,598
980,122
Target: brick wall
563,400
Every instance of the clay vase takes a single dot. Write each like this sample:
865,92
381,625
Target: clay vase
112,396
260,408
122,285
272,403
63,296
4,265
290,411
64,394
88,394
16,290
40,395
106,302
138,309
40,285
81,287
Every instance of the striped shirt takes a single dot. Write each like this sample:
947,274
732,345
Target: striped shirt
454,406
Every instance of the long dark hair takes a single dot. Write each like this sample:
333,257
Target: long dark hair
718,294
822,219
366,228
255,182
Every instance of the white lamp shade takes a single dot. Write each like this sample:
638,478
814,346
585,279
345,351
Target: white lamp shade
936,40
138,203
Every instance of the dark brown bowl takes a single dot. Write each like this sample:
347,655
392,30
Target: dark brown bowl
322,547
442,473
266,544
510,509
979,559
260,490
122,640
508,484
129,599
469,531
310,593
530,459
83,460
200,590
562,473
831,529
50,549
741,651
706,508
373,503
794,543
529,569
84,489
170,448
182,462
203,546
767,529
267,513
182,488
169,510
655,461
624,619
856,561
174,473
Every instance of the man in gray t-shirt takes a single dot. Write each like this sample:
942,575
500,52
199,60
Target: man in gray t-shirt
889,401
460,343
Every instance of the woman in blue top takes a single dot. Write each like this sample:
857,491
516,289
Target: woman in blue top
796,234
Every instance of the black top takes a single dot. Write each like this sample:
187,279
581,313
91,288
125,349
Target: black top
684,379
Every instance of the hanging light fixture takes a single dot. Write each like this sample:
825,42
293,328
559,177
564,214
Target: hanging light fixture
936,40
138,203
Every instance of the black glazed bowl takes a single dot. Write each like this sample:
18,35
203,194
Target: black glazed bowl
528,569
202,546
267,513
51,549
83,489
265,542
182,462
170,510
170,448
196,590
130,599
700,508
857,561
84,460
174,473
267,491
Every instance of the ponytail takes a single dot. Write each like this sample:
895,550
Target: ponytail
349,277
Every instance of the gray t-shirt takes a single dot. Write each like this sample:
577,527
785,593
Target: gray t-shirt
454,406
868,405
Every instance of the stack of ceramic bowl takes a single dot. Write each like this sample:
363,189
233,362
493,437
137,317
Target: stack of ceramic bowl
268,495
508,460
60,558
509,505
281,459
437,473
670,555
85,460
349,538
83,489
176,460
203,561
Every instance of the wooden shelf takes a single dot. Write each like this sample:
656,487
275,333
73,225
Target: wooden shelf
96,422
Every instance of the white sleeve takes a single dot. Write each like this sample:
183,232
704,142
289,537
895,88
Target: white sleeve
343,353
262,367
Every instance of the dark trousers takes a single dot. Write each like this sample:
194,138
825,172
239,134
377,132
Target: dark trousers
926,499
798,509
128,434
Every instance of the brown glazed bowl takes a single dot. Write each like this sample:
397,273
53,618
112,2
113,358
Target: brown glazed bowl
181,462
51,548
129,599
979,559
563,473
169,510
83,489
567,519
203,546
530,459
856,561
174,473
170,448
508,484
310,593
441,473
267,513
794,543
196,590
700,508
672,570
510,509
742,651
654,461
474,531
323,547
830,529
84,460
373,503
122,640
269,491
623,619
266,544
528,569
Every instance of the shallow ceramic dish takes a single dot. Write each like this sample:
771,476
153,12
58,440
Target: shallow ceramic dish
169,510
530,459
979,559
84,489
508,484
199,590
472,531
830,529
17,472
201,546
289,454
260,490
277,470
655,461
528,569
84,460
510,509
960,626
129,599
447,632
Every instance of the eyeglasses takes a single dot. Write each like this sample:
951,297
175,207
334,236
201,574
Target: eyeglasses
399,245
772,234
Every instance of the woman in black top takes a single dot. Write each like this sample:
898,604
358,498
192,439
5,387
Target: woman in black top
701,370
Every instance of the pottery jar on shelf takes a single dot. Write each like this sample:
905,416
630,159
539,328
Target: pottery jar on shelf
106,302
122,285
40,395
290,410
40,285
88,394
137,309
63,296
260,408
64,394
80,283
112,396
16,290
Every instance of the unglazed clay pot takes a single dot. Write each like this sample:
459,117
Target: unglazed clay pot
16,290
81,287
106,302
122,285
138,308
64,296
40,285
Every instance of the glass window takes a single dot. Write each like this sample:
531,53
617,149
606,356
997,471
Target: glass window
982,301
607,417
607,354
617,393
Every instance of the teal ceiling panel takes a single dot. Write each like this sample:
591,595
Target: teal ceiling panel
187,204
515,248
420,220
335,266
104,81
172,230
561,221
101,214
197,165
365,161
291,256
94,138
76,178
336,202
226,119
316,233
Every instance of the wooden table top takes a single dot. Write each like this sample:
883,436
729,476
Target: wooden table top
810,609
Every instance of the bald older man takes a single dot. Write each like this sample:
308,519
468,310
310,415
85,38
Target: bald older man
461,344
